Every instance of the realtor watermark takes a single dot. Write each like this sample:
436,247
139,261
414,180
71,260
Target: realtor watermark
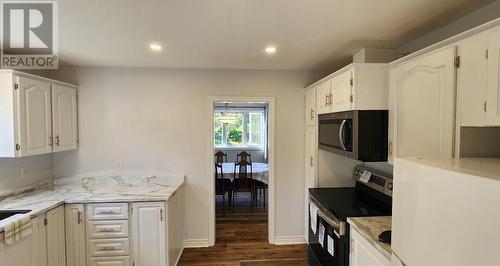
29,34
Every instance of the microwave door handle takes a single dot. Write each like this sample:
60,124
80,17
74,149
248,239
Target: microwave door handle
341,134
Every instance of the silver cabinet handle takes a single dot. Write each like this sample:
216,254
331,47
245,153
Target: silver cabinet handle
311,161
107,230
161,215
51,141
312,114
57,140
326,99
341,133
107,248
390,147
331,99
80,217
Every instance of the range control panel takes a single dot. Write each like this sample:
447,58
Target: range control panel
374,179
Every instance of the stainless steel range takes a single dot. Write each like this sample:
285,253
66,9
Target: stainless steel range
329,208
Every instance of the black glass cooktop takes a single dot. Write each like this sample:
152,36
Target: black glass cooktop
350,202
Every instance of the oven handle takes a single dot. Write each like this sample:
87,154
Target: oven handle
338,227
341,134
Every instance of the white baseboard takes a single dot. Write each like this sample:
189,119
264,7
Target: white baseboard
195,243
289,240
178,257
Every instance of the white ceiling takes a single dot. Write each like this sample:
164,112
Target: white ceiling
232,34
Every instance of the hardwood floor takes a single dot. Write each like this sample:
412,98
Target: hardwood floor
241,239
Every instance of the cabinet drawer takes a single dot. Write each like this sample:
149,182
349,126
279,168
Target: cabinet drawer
107,229
109,247
109,261
107,211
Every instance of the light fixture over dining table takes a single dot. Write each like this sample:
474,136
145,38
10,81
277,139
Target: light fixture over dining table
227,117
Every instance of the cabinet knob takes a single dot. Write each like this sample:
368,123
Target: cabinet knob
57,140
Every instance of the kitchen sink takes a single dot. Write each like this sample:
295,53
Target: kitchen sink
8,213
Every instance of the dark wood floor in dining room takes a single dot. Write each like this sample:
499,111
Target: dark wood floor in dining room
241,239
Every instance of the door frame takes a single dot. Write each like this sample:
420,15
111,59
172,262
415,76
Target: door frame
270,100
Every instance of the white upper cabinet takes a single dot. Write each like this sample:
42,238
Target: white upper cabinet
37,115
64,118
323,93
311,107
493,95
33,116
358,86
423,106
472,80
341,99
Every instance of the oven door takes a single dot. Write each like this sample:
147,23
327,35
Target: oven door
335,133
327,244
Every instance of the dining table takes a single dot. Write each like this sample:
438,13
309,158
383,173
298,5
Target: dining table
260,171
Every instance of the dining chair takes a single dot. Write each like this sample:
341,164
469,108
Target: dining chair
244,156
242,180
223,186
220,157
261,188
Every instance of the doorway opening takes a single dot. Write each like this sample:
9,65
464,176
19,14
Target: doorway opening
242,170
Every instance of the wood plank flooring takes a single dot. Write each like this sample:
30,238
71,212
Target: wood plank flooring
241,239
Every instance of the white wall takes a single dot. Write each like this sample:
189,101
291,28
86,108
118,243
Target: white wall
38,169
155,119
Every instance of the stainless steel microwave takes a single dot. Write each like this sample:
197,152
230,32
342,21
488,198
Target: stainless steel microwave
359,135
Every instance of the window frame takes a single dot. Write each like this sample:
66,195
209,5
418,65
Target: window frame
246,133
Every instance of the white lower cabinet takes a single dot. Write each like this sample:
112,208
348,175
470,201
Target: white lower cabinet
363,253
75,235
113,261
148,233
56,239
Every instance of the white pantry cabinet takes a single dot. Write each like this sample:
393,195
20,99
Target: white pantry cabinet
148,233
363,253
422,109
37,115
75,235
310,114
358,86
310,157
56,239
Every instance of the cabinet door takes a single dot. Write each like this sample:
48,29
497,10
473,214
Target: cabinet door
311,107
323,98
424,108
493,98
39,241
34,117
310,157
75,235
363,253
148,234
472,80
19,253
64,118
342,92
56,243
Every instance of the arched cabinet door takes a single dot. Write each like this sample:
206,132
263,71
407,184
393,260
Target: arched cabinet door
422,112
34,132
64,118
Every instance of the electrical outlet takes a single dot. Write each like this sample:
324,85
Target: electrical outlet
119,165
23,172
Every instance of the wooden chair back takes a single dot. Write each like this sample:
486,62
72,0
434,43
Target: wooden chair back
244,156
243,173
220,157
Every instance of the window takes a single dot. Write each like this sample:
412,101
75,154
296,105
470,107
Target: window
248,129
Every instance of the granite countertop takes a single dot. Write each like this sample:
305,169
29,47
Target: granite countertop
91,189
370,228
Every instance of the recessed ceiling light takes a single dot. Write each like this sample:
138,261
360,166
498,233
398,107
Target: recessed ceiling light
270,50
155,47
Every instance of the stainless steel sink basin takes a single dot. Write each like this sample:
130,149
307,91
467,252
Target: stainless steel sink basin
8,213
